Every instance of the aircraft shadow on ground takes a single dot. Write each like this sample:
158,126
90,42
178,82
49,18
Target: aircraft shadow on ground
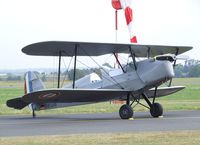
78,117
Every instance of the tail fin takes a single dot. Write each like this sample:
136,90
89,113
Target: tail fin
32,83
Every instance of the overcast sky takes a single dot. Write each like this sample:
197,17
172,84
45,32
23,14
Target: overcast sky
161,22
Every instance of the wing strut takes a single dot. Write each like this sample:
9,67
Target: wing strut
148,52
59,64
133,57
119,63
74,77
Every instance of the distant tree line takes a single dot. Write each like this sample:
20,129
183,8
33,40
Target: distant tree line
191,68
12,77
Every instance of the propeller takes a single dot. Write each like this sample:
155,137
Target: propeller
171,58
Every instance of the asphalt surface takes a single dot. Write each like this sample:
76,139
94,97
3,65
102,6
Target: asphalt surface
96,123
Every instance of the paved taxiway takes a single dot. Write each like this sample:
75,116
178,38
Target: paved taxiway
96,123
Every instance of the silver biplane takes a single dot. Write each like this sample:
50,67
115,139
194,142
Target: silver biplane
134,81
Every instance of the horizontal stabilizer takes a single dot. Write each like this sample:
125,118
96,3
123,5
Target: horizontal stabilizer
16,103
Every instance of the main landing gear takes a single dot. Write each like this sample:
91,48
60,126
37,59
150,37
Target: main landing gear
126,111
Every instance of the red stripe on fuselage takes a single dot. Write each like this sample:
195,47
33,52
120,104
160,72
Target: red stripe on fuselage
25,89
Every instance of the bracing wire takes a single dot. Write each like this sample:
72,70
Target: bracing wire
115,81
53,71
66,70
91,69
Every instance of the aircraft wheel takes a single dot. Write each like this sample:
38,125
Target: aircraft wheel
156,110
126,112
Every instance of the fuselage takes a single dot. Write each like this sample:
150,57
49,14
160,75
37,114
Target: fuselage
145,75
137,78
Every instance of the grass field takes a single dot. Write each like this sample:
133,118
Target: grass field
141,138
187,99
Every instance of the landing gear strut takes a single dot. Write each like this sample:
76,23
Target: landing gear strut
156,109
126,111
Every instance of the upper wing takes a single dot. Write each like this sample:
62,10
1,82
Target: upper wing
53,48
73,95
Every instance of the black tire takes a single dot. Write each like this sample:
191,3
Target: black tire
126,112
156,110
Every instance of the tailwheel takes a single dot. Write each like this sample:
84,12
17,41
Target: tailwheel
156,110
126,112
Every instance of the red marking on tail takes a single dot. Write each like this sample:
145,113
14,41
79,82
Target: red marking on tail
25,89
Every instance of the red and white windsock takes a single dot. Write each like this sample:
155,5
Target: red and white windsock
126,6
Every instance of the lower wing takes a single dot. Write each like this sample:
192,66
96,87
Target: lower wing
66,96
163,91
82,95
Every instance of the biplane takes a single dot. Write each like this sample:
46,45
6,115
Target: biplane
130,82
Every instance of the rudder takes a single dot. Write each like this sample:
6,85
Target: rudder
32,83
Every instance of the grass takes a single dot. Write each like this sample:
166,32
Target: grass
141,138
187,99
